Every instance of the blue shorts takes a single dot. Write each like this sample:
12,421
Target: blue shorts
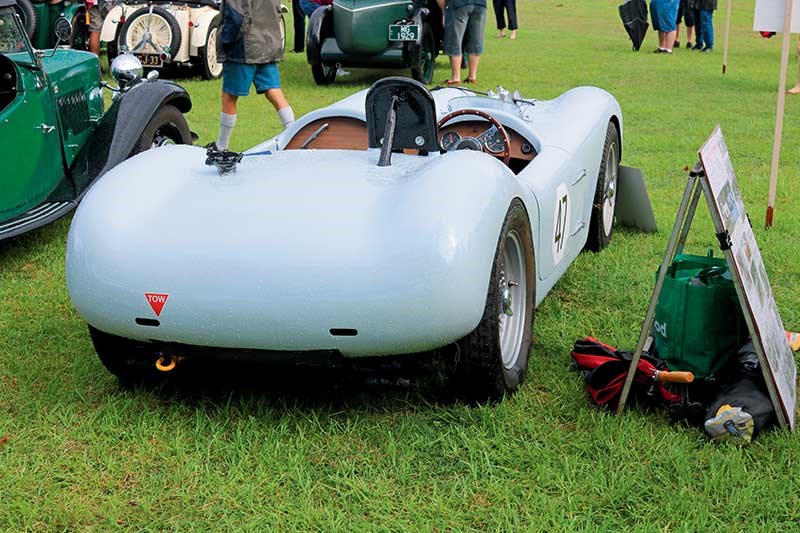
237,77
664,14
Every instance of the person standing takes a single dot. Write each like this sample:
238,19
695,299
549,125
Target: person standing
464,21
96,11
249,48
500,8
299,25
664,14
704,23
686,15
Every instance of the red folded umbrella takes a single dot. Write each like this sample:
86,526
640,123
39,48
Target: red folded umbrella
606,369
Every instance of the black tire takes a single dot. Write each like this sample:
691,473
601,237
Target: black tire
324,74
79,38
175,43
28,15
124,358
600,231
212,69
480,373
168,126
423,60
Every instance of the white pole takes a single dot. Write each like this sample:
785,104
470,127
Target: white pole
727,36
776,144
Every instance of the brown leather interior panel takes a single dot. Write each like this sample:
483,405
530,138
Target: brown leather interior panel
473,128
342,133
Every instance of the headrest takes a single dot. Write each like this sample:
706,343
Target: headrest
415,114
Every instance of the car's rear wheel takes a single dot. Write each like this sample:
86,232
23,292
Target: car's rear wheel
424,60
159,26
212,68
601,224
168,126
493,359
27,13
324,74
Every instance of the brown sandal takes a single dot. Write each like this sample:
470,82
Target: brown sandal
471,80
451,82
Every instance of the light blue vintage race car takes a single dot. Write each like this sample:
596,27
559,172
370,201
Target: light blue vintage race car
396,221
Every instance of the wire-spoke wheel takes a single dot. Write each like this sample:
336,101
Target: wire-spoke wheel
151,31
601,225
493,359
212,68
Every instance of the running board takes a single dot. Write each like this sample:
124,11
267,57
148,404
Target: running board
34,218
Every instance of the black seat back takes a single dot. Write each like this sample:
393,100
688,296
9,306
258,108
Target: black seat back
415,112
8,82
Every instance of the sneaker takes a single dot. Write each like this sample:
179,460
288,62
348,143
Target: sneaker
697,47
731,424
659,51
689,45
340,72
677,44
708,49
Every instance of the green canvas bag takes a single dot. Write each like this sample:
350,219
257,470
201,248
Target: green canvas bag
698,321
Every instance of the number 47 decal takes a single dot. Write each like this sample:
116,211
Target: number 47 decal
560,222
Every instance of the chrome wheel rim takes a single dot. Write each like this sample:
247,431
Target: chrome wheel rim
149,34
214,66
513,288
610,192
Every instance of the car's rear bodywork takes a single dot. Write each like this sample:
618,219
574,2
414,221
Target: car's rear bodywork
313,249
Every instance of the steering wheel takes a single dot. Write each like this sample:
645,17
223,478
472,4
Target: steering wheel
486,116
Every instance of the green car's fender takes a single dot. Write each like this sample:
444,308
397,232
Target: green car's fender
115,136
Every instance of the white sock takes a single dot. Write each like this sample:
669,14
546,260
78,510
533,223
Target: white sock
286,114
226,123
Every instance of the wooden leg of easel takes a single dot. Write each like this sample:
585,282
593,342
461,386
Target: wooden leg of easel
776,143
682,221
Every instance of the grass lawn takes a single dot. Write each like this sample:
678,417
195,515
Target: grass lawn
77,452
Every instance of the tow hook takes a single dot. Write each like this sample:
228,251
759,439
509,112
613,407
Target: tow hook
167,363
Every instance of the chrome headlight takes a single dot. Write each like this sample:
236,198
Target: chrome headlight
126,69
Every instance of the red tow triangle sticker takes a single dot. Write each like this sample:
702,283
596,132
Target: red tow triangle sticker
156,301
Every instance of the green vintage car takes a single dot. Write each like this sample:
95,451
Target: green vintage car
375,34
56,136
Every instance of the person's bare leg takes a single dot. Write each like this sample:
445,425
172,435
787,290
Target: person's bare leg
229,103
669,40
690,34
677,35
796,88
276,98
94,43
455,69
473,67
513,35
281,105
661,40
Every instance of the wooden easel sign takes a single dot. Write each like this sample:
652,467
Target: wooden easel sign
714,178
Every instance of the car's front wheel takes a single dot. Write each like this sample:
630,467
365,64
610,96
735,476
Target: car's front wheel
601,224
493,359
168,126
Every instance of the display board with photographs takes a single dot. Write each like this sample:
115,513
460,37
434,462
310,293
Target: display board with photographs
745,262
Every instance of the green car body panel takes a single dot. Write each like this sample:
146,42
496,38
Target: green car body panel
362,26
39,165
